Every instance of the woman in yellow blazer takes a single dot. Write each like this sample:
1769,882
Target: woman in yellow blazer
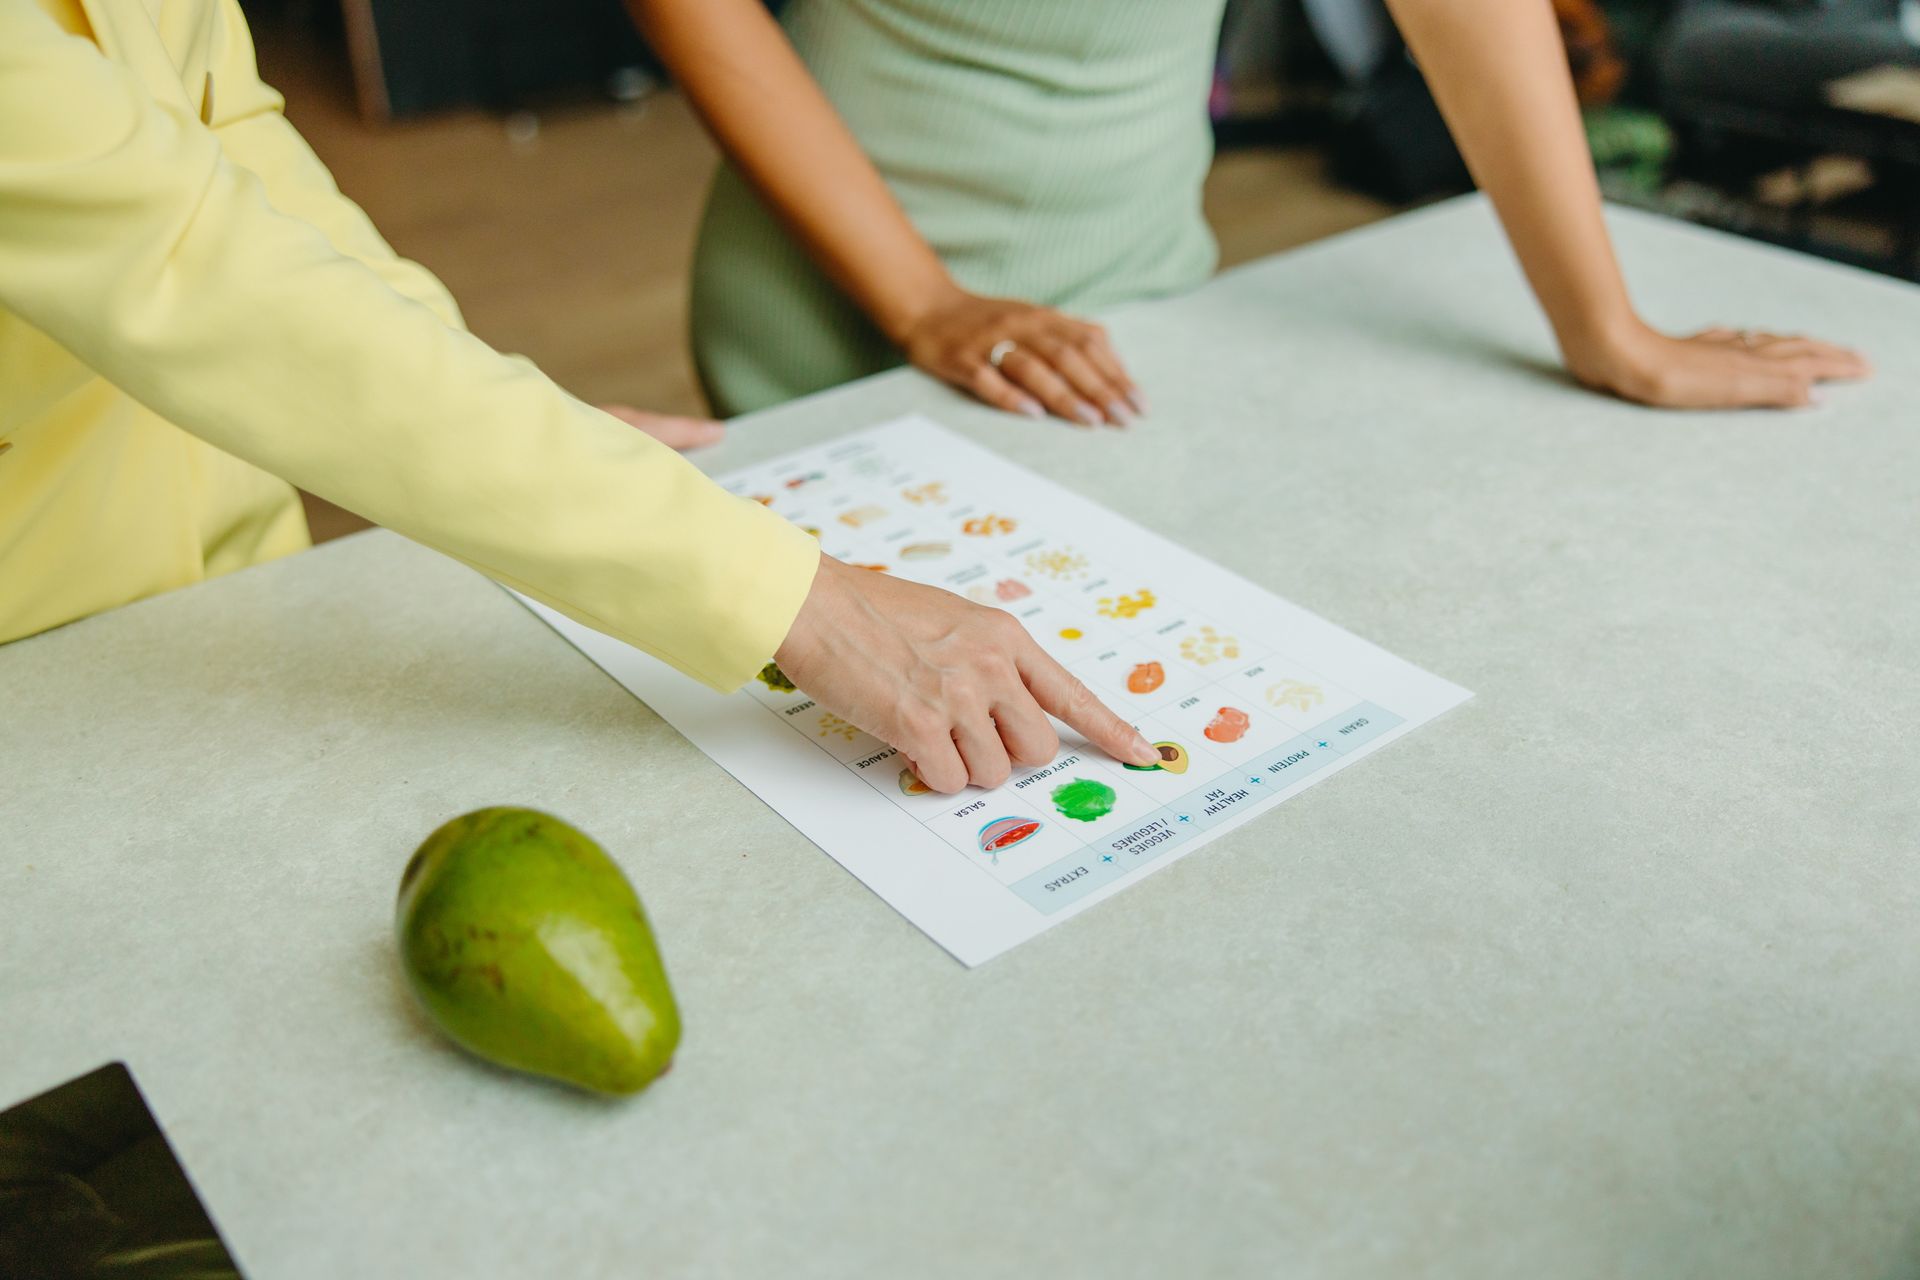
193,318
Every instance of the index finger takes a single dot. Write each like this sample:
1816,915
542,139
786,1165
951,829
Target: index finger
1061,695
1099,349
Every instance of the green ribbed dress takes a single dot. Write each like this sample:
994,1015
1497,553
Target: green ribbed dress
1051,150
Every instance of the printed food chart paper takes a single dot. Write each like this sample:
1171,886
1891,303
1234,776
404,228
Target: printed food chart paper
1250,699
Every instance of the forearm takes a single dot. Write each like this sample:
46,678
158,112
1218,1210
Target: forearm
126,236
1499,73
745,80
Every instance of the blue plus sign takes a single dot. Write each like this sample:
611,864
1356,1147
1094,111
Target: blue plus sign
1323,742
1256,781
1185,818
1106,857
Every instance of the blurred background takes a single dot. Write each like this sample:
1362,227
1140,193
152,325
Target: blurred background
532,154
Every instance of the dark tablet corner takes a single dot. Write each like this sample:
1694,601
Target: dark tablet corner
90,1189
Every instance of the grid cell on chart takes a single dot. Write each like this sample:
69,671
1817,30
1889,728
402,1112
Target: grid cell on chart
1036,786
1207,647
1004,836
1063,883
1132,609
854,509
887,772
1223,801
1291,691
1068,633
982,524
908,552
1099,583
799,486
1194,763
1091,798
1358,726
1296,761
1151,837
838,738
1074,753
1226,725
1136,679
1057,565
796,713
924,492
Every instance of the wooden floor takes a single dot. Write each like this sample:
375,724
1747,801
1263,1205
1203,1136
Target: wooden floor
571,246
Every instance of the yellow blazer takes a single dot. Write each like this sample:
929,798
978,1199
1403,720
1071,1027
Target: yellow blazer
192,316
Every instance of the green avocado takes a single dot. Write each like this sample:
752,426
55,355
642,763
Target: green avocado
527,945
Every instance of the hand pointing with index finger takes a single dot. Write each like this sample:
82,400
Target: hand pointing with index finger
960,689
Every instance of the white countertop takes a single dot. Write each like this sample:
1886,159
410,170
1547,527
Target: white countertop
1610,972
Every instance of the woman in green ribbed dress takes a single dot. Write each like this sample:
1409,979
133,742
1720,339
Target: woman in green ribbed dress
943,181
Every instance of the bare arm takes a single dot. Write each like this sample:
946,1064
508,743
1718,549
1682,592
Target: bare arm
1499,73
758,99
752,91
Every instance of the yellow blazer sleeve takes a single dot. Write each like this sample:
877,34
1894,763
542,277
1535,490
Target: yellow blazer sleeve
128,237
245,114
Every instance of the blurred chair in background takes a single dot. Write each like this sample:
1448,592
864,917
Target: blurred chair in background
1756,84
1753,57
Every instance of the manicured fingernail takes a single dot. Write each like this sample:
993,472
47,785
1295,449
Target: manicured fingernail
1032,409
1144,752
1087,413
1138,399
1119,415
